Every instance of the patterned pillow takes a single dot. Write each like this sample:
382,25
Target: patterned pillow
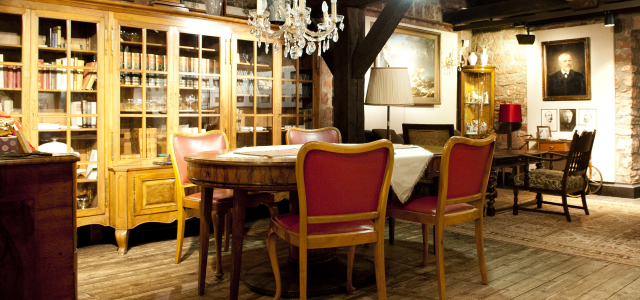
549,179
429,137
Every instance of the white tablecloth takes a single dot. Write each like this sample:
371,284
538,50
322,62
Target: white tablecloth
409,164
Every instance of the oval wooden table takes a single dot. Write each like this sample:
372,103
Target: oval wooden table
209,170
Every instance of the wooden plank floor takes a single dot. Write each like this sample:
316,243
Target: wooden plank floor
147,271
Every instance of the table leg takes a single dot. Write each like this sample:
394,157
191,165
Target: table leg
239,212
492,193
205,223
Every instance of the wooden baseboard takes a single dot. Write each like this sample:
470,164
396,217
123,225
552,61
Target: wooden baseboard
622,190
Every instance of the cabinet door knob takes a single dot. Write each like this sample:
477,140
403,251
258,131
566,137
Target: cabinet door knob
550,147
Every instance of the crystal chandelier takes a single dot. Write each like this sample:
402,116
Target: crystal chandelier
297,37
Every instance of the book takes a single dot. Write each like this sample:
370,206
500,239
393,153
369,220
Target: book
135,61
92,168
76,109
2,71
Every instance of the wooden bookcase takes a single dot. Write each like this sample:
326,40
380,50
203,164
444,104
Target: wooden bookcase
116,110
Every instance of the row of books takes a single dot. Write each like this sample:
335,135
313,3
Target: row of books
84,107
74,62
190,64
131,143
10,77
56,39
133,61
54,78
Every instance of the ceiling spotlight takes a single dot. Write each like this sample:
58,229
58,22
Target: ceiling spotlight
526,39
609,21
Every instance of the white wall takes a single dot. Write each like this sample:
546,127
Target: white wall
376,116
602,89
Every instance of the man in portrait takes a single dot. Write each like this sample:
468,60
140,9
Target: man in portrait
549,119
567,121
566,81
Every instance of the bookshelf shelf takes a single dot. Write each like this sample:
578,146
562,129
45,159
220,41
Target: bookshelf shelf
156,45
130,43
209,50
84,129
9,63
130,86
84,51
10,89
51,90
54,49
82,180
10,46
84,91
189,48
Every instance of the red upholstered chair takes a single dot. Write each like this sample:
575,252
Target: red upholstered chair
464,173
181,145
298,136
343,196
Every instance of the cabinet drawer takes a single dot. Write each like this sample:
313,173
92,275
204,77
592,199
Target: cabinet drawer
552,146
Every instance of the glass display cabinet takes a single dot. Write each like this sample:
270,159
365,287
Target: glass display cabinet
68,71
298,93
144,78
476,100
12,52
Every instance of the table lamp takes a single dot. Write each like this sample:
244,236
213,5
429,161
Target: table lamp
510,113
389,87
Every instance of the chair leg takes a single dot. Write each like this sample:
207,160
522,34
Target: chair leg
378,258
392,229
566,208
180,238
272,238
583,195
480,249
351,253
515,201
439,245
303,273
218,225
227,230
425,244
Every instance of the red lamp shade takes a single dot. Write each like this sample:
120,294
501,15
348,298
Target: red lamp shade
510,113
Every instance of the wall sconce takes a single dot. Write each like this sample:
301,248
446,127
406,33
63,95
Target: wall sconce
450,63
609,21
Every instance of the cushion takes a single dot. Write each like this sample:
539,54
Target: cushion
428,205
430,137
382,134
549,180
292,223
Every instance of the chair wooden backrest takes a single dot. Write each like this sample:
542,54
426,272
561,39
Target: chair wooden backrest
298,136
464,172
182,144
338,183
579,154
427,134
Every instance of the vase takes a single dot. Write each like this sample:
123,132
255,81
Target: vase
213,7
484,57
473,58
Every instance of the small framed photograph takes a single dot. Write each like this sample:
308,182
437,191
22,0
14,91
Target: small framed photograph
567,119
544,132
587,117
550,118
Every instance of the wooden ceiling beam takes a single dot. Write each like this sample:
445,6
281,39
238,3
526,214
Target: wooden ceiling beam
503,9
549,16
366,52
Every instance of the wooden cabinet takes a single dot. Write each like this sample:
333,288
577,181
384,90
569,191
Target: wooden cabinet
110,81
38,228
140,193
476,100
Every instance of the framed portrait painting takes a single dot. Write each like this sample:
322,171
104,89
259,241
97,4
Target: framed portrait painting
544,132
419,52
566,70
550,118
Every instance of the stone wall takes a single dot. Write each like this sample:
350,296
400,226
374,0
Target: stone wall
627,99
510,60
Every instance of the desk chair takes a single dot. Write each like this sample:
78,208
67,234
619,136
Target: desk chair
572,179
298,136
464,172
182,144
343,196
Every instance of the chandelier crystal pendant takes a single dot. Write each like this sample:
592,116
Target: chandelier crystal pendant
297,37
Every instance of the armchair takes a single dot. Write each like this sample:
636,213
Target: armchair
572,179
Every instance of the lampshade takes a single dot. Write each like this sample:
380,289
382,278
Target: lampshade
389,86
510,113
609,21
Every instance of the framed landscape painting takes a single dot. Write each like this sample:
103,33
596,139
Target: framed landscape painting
566,70
419,52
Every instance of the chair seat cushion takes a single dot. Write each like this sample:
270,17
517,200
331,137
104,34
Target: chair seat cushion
549,180
428,205
218,195
292,223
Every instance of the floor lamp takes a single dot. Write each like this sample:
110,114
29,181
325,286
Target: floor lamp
389,87
510,113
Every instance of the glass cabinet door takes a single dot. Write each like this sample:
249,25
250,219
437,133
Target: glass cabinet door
253,87
12,51
298,108
199,83
69,100
476,100
144,74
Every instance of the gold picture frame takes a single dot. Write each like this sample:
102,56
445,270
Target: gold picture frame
419,51
566,70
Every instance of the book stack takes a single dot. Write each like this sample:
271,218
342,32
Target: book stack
188,64
210,66
151,148
156,62
10,77
83,107
56,39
